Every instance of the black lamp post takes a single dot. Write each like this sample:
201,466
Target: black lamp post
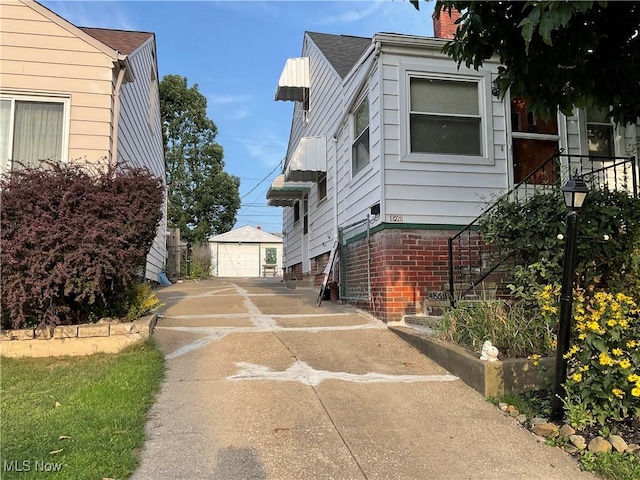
574,191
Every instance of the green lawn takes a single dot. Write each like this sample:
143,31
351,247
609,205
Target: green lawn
76,418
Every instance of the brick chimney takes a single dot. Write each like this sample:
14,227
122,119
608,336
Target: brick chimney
445,26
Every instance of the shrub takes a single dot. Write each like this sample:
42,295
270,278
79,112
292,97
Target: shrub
604,360
530,231
73,238
141,300
200,266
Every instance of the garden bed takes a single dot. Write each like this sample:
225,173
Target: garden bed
491,379
75,340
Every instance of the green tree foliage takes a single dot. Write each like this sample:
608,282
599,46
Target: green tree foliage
556,54
203,198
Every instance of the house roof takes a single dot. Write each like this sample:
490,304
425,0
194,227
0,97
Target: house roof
342,51
124,41
246,234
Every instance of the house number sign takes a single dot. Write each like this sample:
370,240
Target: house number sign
395,218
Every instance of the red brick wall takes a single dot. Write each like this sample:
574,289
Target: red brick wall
406,266
445,26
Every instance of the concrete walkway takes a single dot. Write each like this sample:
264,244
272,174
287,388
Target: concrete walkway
263,384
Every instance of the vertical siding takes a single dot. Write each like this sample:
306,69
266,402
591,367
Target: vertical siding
39,56
140,136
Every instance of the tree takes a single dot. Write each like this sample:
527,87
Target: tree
203,198
555,54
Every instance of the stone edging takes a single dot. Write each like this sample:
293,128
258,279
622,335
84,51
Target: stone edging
75,340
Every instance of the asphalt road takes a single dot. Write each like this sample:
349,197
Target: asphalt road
264,384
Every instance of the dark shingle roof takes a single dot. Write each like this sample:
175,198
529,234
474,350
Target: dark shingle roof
342,51
124,41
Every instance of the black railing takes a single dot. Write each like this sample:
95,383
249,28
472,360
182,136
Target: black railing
472,260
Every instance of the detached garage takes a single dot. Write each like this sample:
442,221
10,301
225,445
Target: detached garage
246,252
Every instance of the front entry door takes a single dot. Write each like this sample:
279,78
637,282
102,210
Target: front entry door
534,142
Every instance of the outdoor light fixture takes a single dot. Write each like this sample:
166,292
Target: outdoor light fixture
575,191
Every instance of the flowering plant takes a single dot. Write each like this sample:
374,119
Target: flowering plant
604,359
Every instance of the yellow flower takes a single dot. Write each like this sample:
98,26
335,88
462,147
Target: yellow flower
593,326
611,323
605,359
584,368
617,352
633,378
576,377
631,344
635,392
582,336
625,363
618,393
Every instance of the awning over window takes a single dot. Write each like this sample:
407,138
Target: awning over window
285,194
307,161
294,81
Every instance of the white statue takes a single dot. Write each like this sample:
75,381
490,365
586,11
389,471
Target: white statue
489,352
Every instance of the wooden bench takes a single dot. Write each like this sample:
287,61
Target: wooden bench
269,267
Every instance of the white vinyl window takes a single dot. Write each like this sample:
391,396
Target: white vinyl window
31,129
445,117
599,133
360,147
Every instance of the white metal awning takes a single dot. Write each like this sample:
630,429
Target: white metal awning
307,161
285,194
294,80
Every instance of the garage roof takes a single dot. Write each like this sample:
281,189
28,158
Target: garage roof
246,234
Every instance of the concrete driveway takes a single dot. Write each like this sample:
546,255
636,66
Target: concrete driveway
263,384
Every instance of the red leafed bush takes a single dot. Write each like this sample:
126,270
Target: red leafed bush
72,239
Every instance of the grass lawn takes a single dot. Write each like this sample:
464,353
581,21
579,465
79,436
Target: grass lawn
76,418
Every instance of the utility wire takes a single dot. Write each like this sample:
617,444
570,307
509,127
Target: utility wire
261,181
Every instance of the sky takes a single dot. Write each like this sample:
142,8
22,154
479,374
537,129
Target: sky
235,51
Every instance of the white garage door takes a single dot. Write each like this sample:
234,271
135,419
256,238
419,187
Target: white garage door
238,260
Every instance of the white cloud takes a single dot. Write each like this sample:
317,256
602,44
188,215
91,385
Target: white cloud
93,14
227,99
358,11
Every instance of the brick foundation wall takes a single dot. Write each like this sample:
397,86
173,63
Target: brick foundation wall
405,266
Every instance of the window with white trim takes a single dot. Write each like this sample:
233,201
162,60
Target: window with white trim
31,129
322,187
599,133
445,117
360,147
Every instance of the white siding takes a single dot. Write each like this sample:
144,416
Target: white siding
325,108
436,192
140,136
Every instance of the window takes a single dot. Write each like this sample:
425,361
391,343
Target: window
296,212
360,148
31,129
270,256
322,187
599,133
305,219
445,117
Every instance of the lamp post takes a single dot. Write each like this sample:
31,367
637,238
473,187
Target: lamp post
575,192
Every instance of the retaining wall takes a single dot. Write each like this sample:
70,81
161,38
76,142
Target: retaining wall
75,340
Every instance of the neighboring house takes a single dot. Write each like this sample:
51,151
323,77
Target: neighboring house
399,145
246,252
70,94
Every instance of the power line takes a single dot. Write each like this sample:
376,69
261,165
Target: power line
261,181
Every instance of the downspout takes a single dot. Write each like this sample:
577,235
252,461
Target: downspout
116,112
